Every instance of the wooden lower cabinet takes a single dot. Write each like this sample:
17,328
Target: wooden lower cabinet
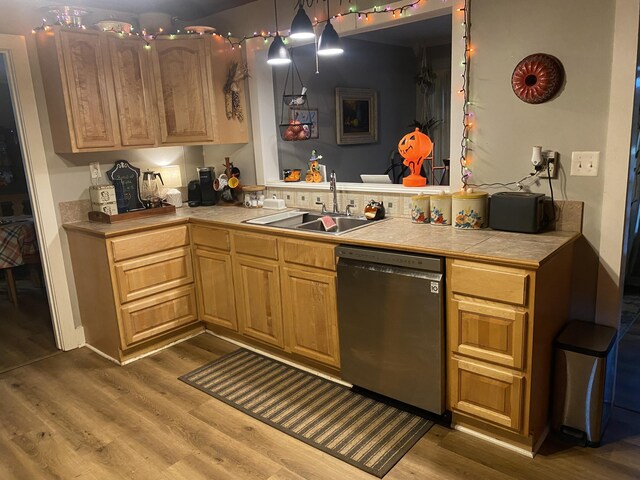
215,286
140,277
487,392
494,333
501,323
310,314
257,289
135,292
158,314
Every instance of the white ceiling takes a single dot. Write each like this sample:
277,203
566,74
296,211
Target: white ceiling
182,9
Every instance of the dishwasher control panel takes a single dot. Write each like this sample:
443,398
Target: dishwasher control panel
390,257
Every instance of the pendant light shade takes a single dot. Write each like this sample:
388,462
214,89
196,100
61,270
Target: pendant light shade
278,54
329,43
301,27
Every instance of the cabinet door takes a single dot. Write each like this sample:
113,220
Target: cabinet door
92,108
184,88
310,315
487,332
153,316
488,393
130,63
216,301
257,284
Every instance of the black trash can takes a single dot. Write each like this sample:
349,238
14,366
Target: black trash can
583,385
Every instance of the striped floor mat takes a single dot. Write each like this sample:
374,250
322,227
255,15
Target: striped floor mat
366,433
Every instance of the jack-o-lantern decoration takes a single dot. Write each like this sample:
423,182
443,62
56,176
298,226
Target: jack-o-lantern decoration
415,147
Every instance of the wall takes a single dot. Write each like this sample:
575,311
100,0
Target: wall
68,175
389,70
580,33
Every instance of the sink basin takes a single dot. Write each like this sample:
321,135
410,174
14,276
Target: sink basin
310,221
345,224
285,219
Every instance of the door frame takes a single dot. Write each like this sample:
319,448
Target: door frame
25,108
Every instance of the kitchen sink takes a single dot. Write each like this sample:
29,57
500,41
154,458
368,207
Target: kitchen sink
310,221
345,224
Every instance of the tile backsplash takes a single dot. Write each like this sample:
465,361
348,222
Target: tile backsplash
568,212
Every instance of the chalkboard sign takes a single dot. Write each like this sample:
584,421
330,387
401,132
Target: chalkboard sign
126,180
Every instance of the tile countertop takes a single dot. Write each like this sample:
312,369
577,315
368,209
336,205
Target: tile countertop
519,249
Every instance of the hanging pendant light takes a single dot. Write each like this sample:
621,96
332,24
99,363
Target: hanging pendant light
329,43
301,27
278,54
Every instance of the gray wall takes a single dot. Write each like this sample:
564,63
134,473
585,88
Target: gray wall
387,69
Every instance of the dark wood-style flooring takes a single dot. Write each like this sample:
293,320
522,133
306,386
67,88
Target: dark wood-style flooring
26,332
77,415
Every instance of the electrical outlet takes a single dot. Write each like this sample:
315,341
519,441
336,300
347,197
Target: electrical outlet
585,164
550,159
94,170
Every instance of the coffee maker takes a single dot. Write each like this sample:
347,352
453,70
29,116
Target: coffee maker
194,194
208,194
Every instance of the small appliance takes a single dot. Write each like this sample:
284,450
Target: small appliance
208,194
517,212
194,198
150,190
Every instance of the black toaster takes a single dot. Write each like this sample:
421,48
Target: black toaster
517,212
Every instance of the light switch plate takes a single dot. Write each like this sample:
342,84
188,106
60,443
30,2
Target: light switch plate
585,164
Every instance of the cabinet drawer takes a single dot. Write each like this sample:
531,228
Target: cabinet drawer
493,283
488,393
311,254
211,237
155,273
489,333
255,245
141,244
156,315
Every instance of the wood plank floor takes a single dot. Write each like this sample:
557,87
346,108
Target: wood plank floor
26,332
77,415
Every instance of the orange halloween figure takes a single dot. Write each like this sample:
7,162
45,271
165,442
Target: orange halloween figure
415,147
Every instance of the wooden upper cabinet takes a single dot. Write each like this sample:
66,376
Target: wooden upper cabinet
184,89
79,92
131,66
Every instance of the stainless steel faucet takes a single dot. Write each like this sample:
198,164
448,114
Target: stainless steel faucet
333,188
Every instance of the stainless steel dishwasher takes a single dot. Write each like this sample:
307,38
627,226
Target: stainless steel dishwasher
391,323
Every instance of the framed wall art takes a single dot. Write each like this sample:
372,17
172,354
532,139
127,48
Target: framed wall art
356,116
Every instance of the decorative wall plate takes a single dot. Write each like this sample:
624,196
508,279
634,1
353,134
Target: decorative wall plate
537,78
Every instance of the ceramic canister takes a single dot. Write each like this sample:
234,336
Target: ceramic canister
441,209
420,209
469,210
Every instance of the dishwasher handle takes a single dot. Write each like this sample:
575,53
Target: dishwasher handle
345,263
391,258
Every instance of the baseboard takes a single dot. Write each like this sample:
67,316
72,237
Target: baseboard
80,339
495,441
280,359
142,355
101,353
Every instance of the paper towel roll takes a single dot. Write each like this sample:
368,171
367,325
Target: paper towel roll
174,197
